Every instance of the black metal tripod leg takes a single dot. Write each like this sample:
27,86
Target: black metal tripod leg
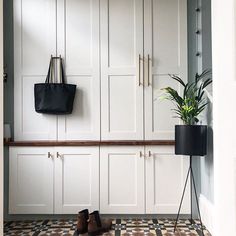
195,191
191,191
182,198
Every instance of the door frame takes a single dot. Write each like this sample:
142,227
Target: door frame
224,113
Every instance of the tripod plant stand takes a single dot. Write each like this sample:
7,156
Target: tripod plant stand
192,186
190,140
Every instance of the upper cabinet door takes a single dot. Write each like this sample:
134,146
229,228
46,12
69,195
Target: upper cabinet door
121,69
78,43
34,42
165,52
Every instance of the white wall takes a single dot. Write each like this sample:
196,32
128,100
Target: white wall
224,115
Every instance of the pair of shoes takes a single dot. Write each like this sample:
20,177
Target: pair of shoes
92,223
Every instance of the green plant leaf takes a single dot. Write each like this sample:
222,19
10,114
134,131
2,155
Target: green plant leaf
192,102
206,83
177,79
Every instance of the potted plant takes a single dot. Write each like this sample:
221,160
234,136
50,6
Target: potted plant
190,138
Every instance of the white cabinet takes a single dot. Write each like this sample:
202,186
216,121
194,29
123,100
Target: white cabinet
34,42
31,181
126,180
141,43
121,69
165,52
118,53
53,180
76,179
78,43
138,180
165,178
69,28
122,180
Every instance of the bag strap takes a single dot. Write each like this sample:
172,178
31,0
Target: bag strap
49,71
62,71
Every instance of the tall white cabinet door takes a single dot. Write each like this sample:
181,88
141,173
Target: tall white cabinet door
31,181
122,180
121,69
34,42
165,44
78,43
165,179
76,179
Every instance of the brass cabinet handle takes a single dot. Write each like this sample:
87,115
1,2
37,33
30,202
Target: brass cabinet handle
59,155
140,154
139,70
148,61
50,155
149,153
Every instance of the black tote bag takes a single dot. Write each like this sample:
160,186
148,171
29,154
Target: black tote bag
54,98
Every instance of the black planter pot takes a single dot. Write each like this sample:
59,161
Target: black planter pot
191,140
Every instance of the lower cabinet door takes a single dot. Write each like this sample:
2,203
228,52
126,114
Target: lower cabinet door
31,181
122,180
76,179
165,178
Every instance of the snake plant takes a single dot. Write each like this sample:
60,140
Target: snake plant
192,101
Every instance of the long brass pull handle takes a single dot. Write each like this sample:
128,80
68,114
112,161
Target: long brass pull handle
149,81
139,70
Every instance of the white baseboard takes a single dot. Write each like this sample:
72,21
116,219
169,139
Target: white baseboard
207,214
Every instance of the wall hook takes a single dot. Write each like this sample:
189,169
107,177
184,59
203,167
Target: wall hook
198,54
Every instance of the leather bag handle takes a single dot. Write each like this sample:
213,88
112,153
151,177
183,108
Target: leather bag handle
50,70
49,74
62,71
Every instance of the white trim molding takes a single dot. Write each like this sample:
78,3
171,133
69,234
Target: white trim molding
224,113
207,212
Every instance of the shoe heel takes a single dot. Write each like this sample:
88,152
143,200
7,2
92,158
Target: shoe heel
81,232
94,233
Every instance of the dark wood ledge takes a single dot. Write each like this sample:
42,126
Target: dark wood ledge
89,143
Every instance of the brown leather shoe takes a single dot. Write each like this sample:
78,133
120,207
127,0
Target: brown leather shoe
97,226
106,225
82,223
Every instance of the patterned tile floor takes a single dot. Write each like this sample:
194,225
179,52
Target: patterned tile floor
129,227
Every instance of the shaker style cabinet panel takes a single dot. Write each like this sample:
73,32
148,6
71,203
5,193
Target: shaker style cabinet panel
165,52
69,28
119,180
31,181
122,180
76,179
53,180
141,43
121,69
165,178
78,43
34,42
118,53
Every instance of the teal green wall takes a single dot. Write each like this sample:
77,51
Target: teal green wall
203,166
8,89
206,164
